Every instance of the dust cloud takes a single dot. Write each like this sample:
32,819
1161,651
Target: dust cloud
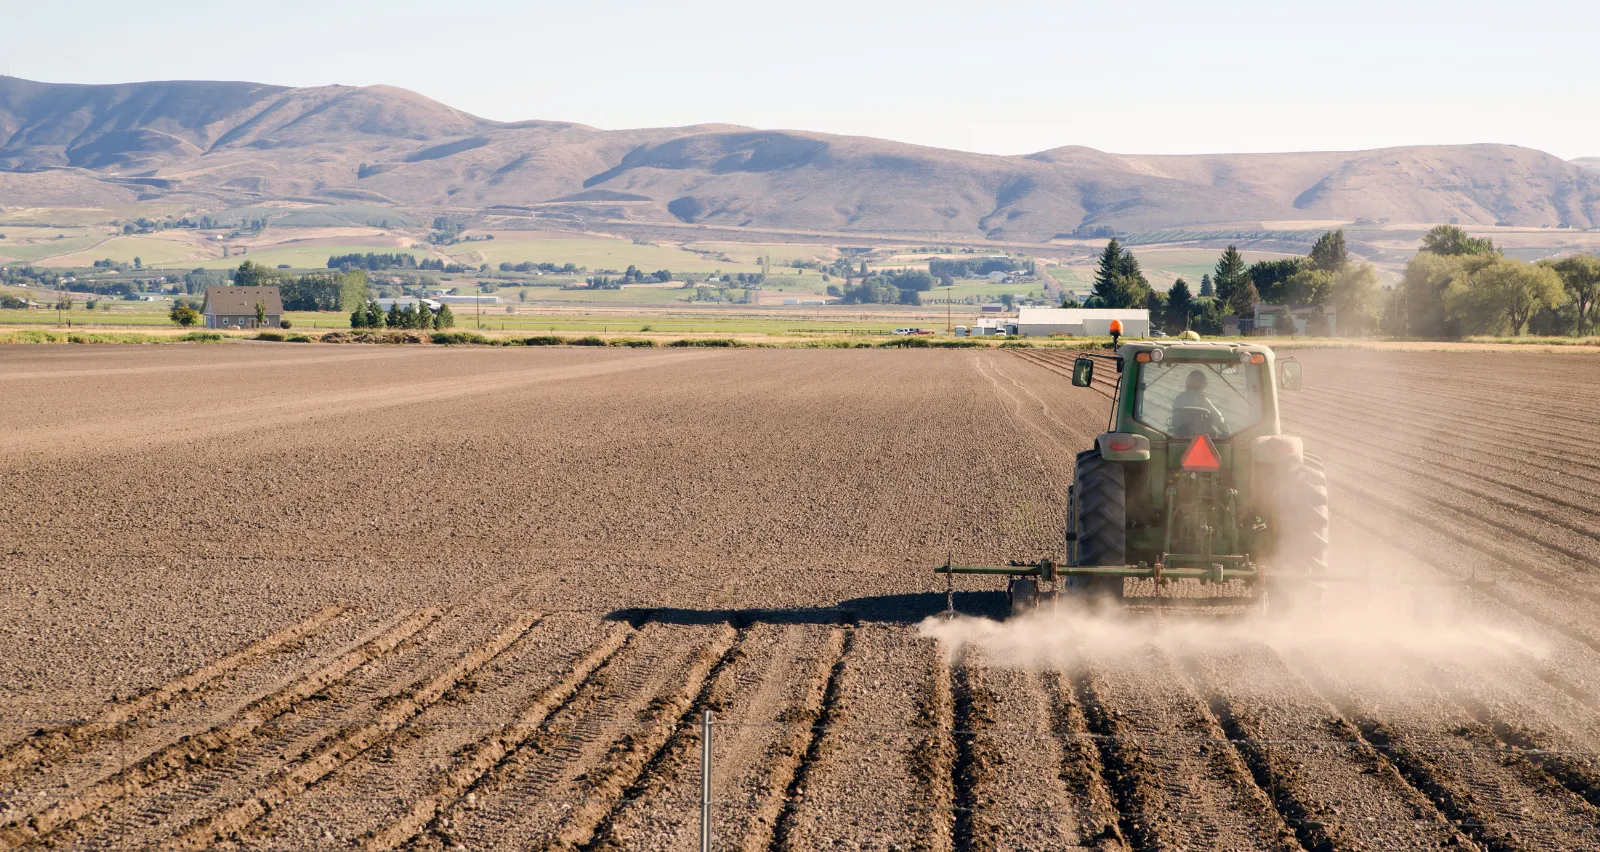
1392,609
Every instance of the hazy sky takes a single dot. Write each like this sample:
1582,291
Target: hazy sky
1002,76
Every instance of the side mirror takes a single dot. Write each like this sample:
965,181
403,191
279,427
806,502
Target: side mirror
1289,375
1082,372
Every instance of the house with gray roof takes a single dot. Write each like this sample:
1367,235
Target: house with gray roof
235,307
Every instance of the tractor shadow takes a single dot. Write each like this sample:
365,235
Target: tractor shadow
902,610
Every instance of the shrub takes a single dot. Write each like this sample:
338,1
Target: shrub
635,343
543,340
591,340
456,338
201,337
906,343
835,344
716,342
285,324
274,336
300,338
28,336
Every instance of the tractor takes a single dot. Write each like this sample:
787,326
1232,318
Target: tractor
1193,480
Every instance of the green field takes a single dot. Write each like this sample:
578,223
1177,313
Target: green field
984,290
36,251
591,252
297,257
751,253
152,251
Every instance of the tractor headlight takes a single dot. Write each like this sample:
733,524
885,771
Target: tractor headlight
1157,354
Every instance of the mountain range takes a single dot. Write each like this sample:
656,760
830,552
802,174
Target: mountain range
211,144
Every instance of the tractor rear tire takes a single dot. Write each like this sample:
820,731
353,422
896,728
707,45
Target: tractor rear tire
1099,514
1303,533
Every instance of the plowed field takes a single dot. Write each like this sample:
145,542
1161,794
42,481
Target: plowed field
268,597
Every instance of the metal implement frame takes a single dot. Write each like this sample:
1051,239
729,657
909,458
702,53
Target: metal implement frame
1216,572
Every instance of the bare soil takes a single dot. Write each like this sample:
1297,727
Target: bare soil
438,598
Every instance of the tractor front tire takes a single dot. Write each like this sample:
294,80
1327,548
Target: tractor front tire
1099,511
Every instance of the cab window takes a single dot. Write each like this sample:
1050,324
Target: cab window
1182,399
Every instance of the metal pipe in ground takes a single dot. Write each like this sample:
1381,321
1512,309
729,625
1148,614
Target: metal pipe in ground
705,782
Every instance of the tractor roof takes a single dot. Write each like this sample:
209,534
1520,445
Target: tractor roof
1203,349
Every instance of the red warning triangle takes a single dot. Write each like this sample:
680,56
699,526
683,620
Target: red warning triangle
1202,456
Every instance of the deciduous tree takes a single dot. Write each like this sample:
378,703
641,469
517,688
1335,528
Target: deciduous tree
1580,276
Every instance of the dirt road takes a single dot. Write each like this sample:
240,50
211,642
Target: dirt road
276,597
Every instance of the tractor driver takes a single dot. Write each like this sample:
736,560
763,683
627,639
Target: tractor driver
1194,396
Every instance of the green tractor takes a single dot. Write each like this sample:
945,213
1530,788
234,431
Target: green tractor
1193,481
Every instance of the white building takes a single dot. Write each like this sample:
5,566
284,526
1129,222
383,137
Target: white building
1082,322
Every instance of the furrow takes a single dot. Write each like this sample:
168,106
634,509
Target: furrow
1017,784
643,747
50,746
765,696
888,732
1330,788
340,749
1511,719
1178,781
1498,800
478,758
551,792
193,751
818,719
663,777
1082,772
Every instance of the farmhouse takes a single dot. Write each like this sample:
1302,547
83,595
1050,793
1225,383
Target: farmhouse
235,307
1082,322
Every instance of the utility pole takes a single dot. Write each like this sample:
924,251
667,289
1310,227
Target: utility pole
478,300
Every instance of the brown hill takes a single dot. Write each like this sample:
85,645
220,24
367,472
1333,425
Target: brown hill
225,143
1590,163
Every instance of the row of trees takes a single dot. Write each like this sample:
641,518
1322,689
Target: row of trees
975,267
892,287
420,317
1456,285
316,291
1326,276
530,266
1459,285
373,261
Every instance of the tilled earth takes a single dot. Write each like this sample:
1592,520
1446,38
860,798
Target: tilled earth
272,597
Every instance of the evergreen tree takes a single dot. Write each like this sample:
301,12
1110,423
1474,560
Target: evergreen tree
445,318
358,318
1118,282
394,320
1243,301
1206,288
374,315
1179,305
1128,268
1230,276
1110,265
1329,254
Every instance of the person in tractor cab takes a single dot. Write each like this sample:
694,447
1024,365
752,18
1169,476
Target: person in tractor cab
1194,397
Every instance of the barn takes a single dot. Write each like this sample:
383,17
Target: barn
1082,322
235,307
